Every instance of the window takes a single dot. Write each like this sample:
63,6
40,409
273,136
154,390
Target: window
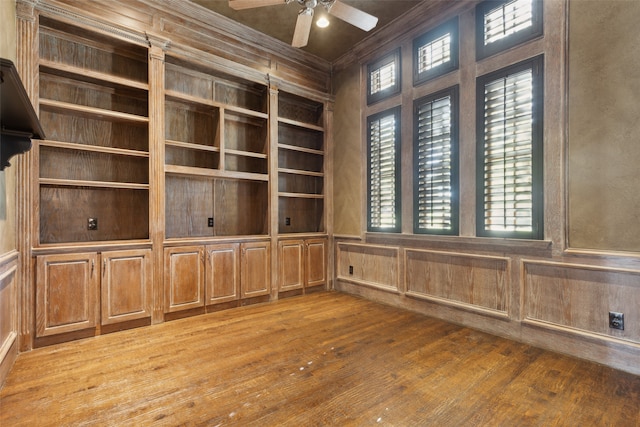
383,77
436,52
504,24
509,180
383,181
435,166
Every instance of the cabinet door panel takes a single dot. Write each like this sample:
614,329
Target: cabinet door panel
183,278
126,285
291,265
223,273
316,268
255,269
66,293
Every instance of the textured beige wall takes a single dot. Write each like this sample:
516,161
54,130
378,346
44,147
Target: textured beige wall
604,125
7,177
348,186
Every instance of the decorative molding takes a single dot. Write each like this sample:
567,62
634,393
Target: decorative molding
69,15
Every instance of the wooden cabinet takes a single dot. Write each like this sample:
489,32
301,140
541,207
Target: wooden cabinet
302,263
126,285
255,274
66,293
196,276
72,290
222,273
184,275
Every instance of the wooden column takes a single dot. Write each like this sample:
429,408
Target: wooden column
328,190
156,170
26,182
273,186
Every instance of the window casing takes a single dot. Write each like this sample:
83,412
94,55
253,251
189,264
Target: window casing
383,77
436,53
435,151
383,171
510,152
506,23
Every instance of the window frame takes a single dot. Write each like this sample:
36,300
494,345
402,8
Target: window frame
535,30
536,64
453,93
450,26
396,112
391,57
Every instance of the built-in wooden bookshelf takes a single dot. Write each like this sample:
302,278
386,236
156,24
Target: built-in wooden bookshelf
94,163
216,153
301,142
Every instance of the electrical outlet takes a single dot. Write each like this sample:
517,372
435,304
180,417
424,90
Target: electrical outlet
616,320
287,221
92,223
351,269
210,222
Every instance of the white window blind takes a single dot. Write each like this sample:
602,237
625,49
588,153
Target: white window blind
507,19
434,53
434,162
382,172
383,78
508,148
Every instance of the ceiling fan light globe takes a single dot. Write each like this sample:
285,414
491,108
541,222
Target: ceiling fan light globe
322,22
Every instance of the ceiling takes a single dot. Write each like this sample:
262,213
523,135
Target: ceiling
329,43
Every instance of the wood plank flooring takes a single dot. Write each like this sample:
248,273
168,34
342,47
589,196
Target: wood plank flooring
322,359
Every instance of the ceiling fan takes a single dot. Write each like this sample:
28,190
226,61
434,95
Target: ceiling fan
340,10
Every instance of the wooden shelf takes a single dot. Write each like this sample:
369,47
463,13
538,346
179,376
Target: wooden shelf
191,146
301,149
245,153
301,172
300,124
301,195
182,97
94,184
214,173
93,148
83,74
81,110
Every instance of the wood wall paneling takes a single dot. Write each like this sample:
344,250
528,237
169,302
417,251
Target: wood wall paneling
8,312
474,281
580,297
376,266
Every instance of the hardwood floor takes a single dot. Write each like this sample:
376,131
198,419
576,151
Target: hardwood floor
322,359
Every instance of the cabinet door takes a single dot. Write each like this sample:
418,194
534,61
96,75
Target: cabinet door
316,262
126,285
291,266
66,293
255,274
222,273
183,278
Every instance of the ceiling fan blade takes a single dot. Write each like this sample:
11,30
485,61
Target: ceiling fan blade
303,28
249,4
353,16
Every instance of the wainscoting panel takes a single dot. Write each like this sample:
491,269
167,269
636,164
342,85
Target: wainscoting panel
580,297
369,265
476,282
8,312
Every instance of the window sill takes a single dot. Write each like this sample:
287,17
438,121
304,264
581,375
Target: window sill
541,248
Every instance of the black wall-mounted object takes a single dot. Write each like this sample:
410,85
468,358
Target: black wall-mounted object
19,121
